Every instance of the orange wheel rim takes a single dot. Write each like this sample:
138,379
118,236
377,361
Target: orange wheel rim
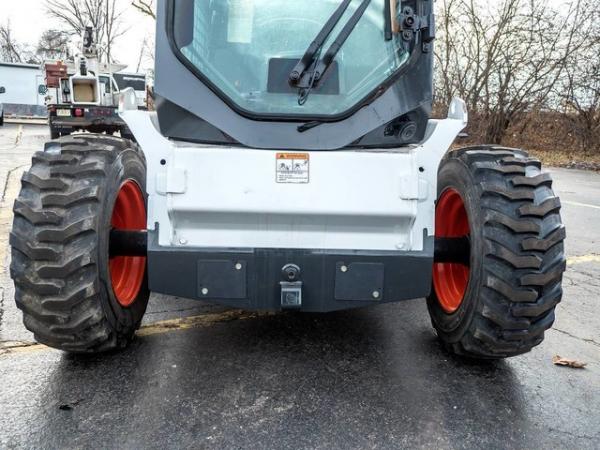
450,281
127,272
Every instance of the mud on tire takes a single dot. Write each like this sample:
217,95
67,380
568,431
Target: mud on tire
517,254
60,238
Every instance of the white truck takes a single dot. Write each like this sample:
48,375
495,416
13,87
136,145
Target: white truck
83,94
135,81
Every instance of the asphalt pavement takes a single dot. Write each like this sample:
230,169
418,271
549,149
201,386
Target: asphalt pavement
200,376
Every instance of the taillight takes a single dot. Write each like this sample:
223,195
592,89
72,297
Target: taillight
78,112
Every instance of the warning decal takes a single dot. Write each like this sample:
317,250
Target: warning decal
293,168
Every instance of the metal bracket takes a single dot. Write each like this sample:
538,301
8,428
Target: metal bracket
291,294
172,181
411,23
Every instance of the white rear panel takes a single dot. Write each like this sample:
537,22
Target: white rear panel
213,196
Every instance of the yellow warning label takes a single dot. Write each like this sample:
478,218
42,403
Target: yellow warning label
293,168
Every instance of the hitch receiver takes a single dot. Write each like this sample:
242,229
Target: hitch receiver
291,289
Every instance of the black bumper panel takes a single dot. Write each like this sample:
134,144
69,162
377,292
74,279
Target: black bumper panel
252,279
78,123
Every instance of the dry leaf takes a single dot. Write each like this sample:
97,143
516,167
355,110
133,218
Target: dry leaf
573,364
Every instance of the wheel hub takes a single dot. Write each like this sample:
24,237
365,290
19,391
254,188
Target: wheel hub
451,279
127,272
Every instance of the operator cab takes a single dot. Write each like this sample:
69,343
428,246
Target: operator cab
236,68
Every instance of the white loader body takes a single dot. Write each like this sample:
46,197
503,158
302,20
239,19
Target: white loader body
203,196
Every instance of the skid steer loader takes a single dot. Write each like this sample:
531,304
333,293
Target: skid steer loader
291,165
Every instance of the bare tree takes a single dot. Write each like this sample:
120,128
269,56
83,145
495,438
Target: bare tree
580,89
103,15
146,56
53,44
112,24
145,7
504,58
10,50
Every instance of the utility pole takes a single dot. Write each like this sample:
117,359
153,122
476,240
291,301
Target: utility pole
106,21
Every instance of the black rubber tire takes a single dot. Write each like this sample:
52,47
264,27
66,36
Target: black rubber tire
54,133
127,134
2,119
517,254
60,244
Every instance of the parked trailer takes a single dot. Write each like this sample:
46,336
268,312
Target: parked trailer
25,89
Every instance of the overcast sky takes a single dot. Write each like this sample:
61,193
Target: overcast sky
28,19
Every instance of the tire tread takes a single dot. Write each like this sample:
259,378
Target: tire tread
524,260
54,240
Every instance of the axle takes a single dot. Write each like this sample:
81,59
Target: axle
135,243
128,243
453,250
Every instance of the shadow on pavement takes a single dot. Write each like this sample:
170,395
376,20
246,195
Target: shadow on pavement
348,379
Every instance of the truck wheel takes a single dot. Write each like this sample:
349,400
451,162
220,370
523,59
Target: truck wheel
127,134
73,296
503,302
2,119
54,133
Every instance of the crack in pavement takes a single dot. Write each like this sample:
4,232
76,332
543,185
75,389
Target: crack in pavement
8,347
17,142
5,227
589,341
575,435
8,178
15,344
162,327
19,135
2,294
591,276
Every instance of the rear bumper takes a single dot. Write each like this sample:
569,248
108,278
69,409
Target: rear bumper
224,221
74,122
252,278
95,117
